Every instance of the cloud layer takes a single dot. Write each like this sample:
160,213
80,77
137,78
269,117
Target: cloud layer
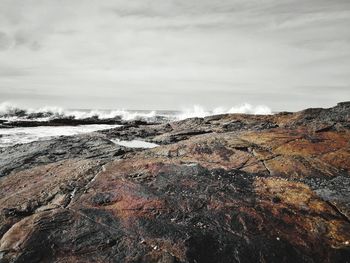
165,54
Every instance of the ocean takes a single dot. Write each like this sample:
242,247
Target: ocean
23,125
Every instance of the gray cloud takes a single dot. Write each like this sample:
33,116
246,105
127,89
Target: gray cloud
4,41
169,54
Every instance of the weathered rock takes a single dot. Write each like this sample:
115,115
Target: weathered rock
24,156
44,187
228,188
314,120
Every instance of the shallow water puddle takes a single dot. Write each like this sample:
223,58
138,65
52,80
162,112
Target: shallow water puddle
135,144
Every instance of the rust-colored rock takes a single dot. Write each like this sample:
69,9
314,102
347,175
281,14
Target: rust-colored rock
228,188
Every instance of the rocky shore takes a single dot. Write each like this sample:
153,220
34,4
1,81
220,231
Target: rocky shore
225,188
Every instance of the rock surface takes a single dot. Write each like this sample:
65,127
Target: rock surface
24,156
227,188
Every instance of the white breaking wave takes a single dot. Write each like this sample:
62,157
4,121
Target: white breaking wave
11,112
199,111
124,114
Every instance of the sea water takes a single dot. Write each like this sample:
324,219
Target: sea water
10,113
12,136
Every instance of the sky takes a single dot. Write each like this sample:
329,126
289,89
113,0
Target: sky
170,54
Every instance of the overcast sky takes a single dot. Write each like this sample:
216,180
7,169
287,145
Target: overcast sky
167,54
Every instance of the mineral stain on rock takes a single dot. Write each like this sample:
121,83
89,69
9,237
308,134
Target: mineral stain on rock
229,188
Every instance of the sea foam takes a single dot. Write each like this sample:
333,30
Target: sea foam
19,135
12,112
199,111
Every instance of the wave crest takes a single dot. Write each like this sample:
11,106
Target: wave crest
199,111
12,112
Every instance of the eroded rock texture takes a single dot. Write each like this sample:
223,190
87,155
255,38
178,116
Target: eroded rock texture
228,188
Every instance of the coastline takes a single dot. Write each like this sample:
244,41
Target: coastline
223,188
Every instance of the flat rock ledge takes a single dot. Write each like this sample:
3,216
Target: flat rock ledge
227,188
